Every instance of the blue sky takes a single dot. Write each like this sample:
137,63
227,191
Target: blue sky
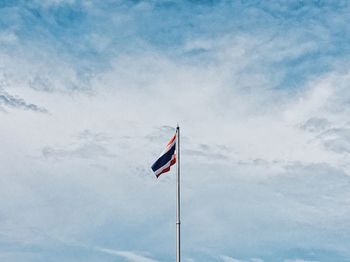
90,92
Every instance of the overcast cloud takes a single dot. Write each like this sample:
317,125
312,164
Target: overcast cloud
90,92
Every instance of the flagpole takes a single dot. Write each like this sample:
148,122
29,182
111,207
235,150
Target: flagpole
178,194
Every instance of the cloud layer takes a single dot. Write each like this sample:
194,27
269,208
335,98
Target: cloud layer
260,90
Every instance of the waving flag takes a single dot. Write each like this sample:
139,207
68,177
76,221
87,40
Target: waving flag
166,159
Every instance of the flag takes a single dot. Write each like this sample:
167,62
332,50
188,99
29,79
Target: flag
166,159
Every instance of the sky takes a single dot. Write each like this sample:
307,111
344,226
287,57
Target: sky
91,91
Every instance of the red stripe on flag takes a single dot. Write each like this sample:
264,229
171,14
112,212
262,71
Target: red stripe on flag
172,162
171,140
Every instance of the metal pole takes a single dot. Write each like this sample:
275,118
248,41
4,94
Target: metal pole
178,194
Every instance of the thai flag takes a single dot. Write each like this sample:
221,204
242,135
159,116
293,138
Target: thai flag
166,159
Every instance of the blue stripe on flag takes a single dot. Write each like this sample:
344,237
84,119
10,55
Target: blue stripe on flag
163,159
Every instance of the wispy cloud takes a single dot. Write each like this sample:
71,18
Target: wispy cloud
128,255
299,260
90,145
16,102
229,259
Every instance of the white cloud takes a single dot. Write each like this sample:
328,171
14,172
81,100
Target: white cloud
262,164
299,260
130,114
230,259
128,255
264,152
